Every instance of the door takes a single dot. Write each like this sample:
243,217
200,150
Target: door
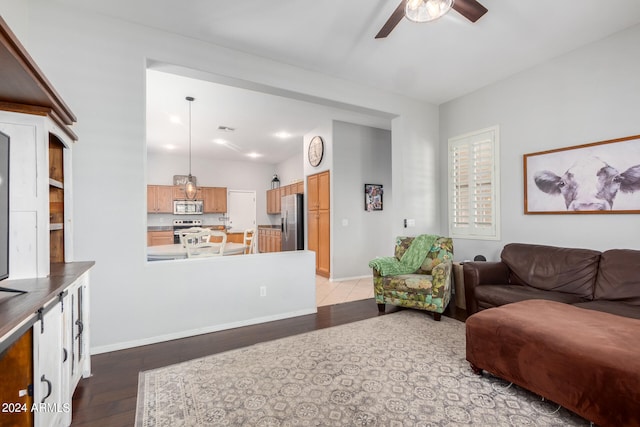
319,221
241,210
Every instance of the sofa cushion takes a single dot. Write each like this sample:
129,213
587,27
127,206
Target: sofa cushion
613,307
619,276
496,295
568,270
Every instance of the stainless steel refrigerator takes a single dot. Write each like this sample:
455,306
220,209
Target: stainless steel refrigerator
292,222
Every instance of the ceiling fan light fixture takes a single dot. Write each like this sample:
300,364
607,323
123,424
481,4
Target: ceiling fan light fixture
427,10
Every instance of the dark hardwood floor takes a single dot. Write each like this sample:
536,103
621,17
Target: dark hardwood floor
108,398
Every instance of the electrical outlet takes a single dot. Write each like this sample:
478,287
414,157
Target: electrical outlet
263,291
411,223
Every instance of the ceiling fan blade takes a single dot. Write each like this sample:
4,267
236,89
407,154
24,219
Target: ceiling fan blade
470,9
393,20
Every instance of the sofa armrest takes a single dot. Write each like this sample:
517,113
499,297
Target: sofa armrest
480,273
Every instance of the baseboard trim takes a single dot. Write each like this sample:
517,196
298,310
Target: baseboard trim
199,331
342,279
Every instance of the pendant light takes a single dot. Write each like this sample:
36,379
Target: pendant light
190,186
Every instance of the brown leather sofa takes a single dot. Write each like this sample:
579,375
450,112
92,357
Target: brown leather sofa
605,281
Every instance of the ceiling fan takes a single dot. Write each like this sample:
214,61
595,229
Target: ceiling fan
470,9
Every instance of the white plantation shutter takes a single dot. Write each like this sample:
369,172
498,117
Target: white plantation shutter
474,185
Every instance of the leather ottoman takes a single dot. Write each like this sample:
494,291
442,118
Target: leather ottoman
585,360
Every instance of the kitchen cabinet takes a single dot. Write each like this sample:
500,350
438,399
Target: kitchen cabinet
160,198
274,196
235,237
179,193
319,221
156,238
215,199
273,201
269,239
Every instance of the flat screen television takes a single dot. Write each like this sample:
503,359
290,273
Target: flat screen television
4,206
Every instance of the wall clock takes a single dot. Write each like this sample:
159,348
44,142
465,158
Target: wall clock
316,151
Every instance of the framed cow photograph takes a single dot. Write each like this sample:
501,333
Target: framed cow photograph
600,177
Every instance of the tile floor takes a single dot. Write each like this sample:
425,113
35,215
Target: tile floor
329,293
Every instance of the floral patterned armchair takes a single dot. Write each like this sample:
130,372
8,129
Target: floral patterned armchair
428,288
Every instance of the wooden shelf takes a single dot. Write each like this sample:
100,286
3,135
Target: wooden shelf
56,199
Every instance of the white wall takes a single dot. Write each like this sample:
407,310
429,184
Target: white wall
589,95
361,155
97,64
291,170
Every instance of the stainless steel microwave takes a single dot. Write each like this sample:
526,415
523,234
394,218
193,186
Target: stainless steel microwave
188,207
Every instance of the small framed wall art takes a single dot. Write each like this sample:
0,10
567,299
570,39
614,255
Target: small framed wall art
372,197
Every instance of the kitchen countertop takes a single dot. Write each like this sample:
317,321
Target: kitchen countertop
170,227
270,226
160,228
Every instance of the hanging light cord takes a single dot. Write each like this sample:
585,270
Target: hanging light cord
190,99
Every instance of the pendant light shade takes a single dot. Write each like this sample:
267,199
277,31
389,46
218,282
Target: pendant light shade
190,188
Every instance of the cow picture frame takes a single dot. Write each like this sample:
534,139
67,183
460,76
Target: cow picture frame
596,178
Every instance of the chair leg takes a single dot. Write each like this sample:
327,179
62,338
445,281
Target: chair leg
437,317
381,308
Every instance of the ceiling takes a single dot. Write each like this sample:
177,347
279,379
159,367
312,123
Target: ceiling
256,117
435,62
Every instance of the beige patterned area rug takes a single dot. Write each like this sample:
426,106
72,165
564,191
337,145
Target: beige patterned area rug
400,369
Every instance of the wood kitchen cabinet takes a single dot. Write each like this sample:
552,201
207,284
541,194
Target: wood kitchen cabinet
319,221
269,240
273,201
235,237
160,198
179,193
156,238
274,196
215,199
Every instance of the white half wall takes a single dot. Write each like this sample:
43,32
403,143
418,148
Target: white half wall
589,95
